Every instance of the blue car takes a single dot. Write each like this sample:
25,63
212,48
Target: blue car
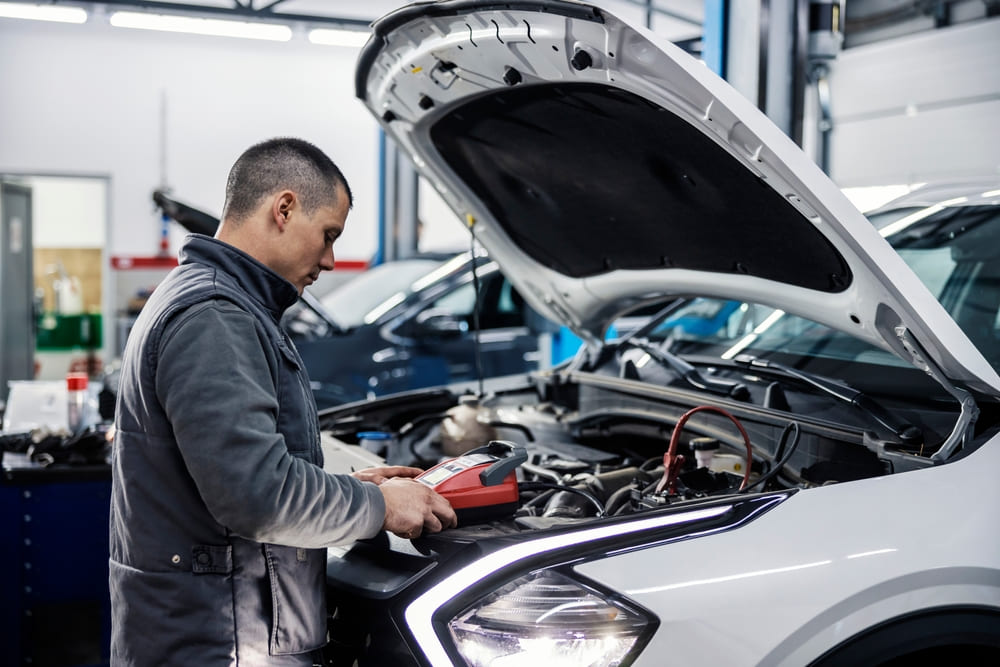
410,324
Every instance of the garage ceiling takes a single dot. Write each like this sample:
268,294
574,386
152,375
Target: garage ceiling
686,12
865,21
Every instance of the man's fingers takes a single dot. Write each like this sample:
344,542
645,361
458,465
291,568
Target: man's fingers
444,513
412,507
383,473
432,524
400,471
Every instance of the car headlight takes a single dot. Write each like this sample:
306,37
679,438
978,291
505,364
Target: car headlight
548,618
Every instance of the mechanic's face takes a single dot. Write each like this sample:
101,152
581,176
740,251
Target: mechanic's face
307,241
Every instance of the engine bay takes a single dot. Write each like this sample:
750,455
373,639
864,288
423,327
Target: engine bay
599,446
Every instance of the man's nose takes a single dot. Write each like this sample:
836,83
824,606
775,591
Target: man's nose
327,261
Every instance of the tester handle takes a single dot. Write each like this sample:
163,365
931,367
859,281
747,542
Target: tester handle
509,457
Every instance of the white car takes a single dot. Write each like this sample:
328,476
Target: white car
795,465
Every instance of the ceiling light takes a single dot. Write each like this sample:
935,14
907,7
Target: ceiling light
15,10
199,26
338,37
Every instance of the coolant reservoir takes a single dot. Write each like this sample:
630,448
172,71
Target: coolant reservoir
705,450
731,463
707,455
466,427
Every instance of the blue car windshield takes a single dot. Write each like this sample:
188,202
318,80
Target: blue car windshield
954,251
351,302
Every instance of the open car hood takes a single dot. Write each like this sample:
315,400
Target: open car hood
603,167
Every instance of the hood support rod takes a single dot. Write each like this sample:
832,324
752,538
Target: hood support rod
962,432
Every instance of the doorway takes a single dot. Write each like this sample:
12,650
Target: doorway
69,272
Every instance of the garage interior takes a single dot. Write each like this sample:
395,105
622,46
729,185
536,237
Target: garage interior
97,114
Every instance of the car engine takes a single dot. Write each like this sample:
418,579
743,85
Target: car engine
599,447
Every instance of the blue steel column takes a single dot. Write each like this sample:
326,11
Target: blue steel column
714,37
382,204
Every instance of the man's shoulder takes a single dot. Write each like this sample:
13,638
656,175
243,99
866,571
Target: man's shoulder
214,308
191,284
208,329
179,303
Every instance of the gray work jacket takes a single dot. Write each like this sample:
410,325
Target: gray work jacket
220,509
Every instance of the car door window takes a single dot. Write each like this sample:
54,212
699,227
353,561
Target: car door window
500,305
459,302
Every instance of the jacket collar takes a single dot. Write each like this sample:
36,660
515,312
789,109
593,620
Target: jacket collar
262,284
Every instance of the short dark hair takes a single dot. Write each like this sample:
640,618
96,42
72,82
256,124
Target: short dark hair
279,164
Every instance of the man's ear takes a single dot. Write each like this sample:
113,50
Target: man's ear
281,206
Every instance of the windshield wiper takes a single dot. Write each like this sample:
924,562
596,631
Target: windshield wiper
905,432
690,374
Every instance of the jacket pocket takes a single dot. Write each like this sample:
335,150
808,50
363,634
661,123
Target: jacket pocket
298,599
161,618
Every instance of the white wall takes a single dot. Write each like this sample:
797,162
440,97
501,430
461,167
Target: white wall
924,107
87,99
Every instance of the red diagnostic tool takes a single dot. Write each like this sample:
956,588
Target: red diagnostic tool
482,483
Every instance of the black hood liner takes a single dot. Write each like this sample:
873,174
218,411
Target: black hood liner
589,178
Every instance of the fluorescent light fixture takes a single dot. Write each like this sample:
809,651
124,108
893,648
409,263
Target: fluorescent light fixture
338,37
13,10
198,26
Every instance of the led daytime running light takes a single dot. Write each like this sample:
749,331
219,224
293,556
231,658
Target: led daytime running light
420,612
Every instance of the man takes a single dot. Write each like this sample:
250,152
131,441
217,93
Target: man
221,512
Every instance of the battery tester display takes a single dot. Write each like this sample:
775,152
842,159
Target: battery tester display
482,483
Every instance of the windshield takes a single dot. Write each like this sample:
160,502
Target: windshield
954,251
349,303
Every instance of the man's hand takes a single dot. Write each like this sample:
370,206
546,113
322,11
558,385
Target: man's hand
384,473
412,507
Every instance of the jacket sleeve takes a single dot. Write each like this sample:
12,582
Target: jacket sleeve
214,383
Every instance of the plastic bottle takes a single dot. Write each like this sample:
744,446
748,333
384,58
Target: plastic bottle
69,296
76,400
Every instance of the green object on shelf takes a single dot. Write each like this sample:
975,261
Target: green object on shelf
66,332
